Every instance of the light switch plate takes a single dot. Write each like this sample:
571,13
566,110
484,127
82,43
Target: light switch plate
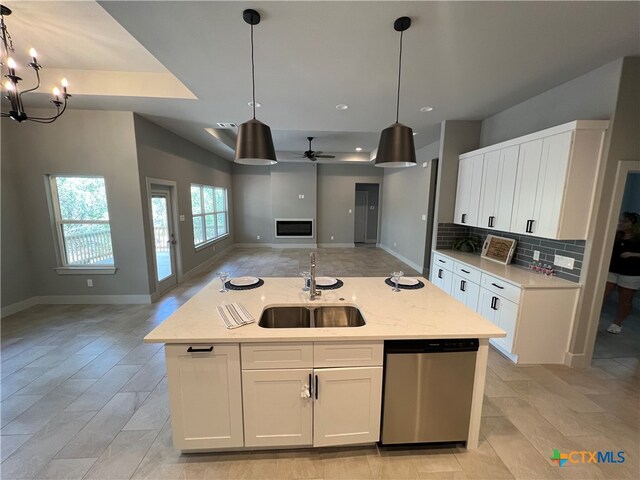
536,255
564,262
331,237
424,218
182,218
349,210
425,164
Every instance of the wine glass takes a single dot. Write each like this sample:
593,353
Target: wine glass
307,281
395,277
223,278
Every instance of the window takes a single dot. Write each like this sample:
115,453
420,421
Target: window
209,210
82,221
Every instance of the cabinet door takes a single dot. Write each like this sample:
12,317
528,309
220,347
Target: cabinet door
506,184
442,279
468,190
507,316
458,288
489,193
205,396
486,305
524,198
472,295
347,405
276,410
551,182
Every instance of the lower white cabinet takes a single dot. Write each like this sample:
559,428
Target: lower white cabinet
278,409
465,291
205,394
442,278
314,406
347,406
503,313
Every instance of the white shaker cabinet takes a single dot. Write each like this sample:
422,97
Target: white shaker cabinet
498,184
347,405
503,313
468,190
206,396
524,200
465,291
278,408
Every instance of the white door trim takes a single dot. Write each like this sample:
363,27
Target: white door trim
366,213
173,189
595,304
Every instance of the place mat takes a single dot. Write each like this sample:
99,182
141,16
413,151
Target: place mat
230,286
335,286
389,282
234,315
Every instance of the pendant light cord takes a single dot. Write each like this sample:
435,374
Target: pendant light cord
253,77
399,73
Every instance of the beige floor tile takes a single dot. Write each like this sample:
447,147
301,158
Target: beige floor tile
65,469
148,377
347,464
436,460
15,405
10,443
29,356
56,375
122,457
96,436
20,379
482,463
303,464
495,387
154,412
97,396
162,461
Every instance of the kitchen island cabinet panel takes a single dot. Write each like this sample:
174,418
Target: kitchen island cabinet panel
205,395
347,406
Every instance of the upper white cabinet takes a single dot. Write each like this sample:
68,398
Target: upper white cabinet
498,184
468,190
542,184
206,396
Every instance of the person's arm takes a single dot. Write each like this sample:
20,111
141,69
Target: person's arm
629,255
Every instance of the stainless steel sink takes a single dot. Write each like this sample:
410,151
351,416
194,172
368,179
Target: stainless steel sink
342,316
318,317
285,317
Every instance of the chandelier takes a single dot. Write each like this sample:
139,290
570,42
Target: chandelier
14,95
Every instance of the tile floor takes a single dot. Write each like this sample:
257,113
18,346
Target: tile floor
83,397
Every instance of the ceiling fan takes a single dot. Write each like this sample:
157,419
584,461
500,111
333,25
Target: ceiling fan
313,156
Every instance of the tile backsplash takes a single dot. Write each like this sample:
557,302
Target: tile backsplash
523,256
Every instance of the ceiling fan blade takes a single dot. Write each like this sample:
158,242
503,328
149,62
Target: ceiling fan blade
325,156
318,153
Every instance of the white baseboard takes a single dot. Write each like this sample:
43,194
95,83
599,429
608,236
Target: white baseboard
294,245
19,306
337,245
253,245
206,264
575,360
413,265
75,300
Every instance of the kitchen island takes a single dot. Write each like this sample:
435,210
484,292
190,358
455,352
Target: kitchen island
251,387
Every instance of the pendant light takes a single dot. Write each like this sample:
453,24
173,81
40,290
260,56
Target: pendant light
254,145
396,148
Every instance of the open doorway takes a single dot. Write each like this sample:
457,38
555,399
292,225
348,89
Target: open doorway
366,214
621,304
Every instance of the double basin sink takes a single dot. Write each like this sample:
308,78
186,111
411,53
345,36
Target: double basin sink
311,317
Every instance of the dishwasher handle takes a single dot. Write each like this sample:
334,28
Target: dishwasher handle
431,346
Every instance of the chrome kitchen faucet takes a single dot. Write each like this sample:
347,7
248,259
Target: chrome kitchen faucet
313,293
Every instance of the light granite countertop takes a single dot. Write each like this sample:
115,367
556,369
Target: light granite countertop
514,274
410,314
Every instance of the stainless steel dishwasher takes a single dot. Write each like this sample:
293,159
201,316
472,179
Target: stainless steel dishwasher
428,385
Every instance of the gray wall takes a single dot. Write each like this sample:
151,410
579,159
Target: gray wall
166,156
405,197
373,208
336,195
588,97
631,199
288,181
81,142
252,204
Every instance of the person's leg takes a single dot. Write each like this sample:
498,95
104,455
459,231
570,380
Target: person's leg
625,303
608,289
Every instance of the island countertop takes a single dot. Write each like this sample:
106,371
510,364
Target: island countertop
426,313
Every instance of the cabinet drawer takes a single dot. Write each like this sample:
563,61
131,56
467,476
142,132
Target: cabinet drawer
442,262
501,288
467,272
258,356
347,354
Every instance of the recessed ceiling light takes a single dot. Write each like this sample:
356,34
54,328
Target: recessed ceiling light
258,104
426,109
358,149
342,106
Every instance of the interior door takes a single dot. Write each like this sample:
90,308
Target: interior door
360,233
164,241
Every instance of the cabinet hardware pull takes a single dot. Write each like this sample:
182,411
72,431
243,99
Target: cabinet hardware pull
464,218
310,386
494,301
491,219
462,285
316,387
465,271
529,228
439,273
196,350
497,286
441,261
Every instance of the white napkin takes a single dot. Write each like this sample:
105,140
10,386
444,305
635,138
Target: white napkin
234,315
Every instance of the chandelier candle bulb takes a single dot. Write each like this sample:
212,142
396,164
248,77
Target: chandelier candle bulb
33,54
11,63
56,92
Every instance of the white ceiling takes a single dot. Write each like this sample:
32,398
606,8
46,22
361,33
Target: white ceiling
468,59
